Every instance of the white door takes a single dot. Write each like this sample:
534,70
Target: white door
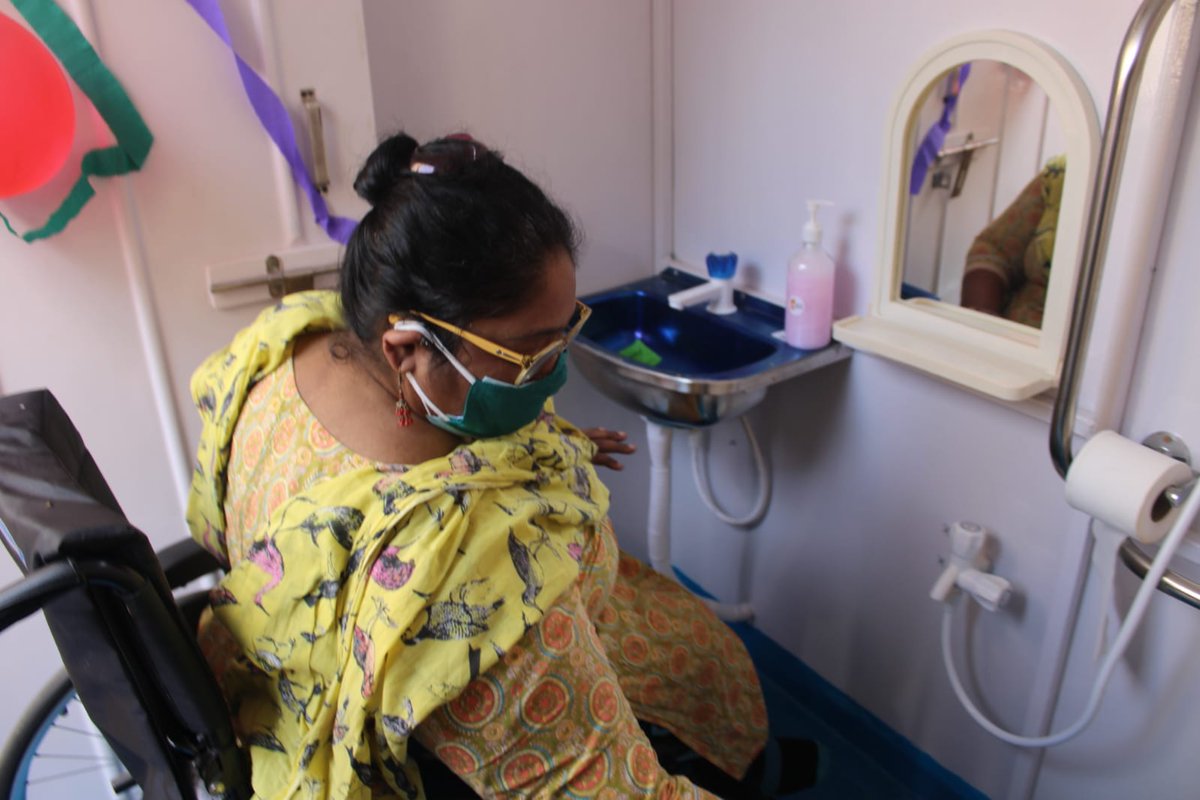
113,313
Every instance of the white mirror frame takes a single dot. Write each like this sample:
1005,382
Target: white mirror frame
988,354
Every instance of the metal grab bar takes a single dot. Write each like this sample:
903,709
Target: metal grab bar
1130,65
1172,583
1127,79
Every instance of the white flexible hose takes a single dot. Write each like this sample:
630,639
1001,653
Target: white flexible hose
700,475
1141,601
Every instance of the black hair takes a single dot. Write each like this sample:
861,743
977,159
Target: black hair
453,232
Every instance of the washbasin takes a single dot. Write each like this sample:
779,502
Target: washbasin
712,367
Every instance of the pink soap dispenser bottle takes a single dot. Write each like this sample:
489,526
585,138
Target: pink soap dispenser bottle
808,316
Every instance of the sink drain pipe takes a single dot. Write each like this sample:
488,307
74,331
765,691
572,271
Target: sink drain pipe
658,529
658,533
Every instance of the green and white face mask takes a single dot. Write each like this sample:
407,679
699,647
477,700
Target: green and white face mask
492,408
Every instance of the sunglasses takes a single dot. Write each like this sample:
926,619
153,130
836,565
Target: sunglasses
532,365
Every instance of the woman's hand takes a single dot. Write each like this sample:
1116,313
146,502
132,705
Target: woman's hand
609,442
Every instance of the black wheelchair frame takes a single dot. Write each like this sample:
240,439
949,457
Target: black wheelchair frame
127,646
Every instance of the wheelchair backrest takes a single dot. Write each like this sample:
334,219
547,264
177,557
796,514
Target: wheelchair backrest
133,660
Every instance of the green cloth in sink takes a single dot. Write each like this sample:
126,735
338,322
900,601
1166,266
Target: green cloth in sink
640,352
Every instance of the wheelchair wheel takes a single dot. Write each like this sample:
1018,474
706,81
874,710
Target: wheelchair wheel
55,751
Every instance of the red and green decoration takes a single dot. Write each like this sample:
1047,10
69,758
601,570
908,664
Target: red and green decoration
37,113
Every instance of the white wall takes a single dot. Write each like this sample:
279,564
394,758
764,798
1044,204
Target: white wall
562,89
774,102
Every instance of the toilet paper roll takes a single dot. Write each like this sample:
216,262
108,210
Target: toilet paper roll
1121,483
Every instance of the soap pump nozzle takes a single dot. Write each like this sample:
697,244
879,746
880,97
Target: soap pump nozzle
812,228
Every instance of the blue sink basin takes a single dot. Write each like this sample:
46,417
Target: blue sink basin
689,344
712,366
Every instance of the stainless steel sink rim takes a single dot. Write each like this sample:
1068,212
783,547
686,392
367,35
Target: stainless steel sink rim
760,377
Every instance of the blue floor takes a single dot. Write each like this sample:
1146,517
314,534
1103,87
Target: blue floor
864,759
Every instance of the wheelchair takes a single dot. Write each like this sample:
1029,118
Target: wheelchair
159,726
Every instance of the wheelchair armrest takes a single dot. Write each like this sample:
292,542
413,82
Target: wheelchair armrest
20,599
185,560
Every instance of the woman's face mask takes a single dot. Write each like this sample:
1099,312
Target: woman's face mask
493,407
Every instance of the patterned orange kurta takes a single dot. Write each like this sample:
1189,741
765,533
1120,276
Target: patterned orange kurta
1018,245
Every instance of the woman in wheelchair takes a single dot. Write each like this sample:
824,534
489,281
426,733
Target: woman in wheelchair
418,547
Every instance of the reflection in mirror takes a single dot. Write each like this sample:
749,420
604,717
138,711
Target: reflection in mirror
983,205
976,124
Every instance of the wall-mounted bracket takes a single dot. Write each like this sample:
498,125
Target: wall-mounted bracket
969,145
316,139
257,281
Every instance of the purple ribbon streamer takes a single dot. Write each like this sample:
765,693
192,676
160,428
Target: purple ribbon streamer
278,124
927,151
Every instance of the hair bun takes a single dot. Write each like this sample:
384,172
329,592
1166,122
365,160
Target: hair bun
384,168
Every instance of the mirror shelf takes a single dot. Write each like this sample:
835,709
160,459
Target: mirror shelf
985,353
976,368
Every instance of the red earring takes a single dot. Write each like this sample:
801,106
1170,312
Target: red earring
404,415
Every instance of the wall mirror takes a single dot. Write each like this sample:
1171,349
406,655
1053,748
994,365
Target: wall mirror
989,157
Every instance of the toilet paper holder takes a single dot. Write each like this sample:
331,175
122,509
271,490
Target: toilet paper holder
1133,557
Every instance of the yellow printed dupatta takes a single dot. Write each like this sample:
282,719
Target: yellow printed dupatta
376,595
